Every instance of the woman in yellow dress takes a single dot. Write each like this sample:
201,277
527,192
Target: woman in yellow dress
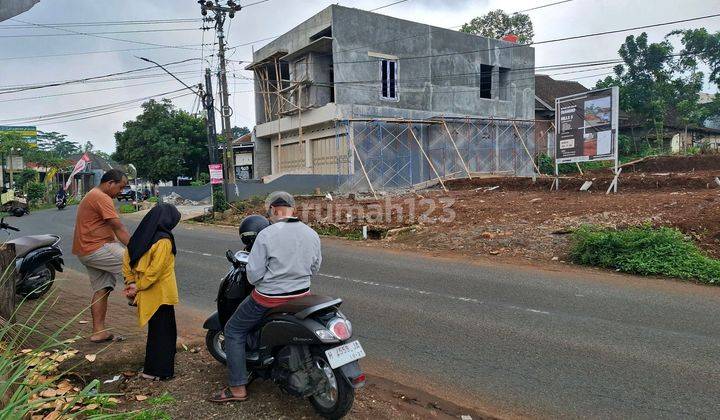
149,269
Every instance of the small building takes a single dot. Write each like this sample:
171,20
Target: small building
332,89
242,149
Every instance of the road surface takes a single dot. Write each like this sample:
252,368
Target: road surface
512,341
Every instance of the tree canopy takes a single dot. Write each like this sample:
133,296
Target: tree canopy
659,86
496,24
163,142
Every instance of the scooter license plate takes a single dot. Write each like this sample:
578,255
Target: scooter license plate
342,355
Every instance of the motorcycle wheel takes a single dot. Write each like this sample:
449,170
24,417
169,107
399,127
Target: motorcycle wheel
215,343
336,398
42,280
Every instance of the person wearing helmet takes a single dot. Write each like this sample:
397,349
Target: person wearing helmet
283,258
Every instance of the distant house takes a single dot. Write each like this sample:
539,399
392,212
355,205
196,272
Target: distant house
547,90
242,148
90,177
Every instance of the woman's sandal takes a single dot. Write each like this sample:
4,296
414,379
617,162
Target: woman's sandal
225,395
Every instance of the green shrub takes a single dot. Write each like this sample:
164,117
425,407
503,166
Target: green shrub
644,250
25,177
127,208
35,191
152,199
219,201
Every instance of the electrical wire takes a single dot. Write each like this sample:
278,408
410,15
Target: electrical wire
25,57
99,33
86,79
103,36
541,7
104,23
387,5
154,82
80,111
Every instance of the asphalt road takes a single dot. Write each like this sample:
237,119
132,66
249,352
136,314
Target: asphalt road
514,341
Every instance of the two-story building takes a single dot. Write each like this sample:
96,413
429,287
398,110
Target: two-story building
345,65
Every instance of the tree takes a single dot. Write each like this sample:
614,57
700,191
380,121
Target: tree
12,144
496,24
88,147
163,142
25,177
654,86
239,131
57,143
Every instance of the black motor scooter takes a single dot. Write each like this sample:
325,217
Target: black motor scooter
37,258
60,202
304,346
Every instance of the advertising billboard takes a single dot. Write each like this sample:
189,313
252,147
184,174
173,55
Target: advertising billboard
586,126
216,173
29,132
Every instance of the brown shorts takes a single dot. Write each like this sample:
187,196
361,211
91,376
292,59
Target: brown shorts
104,266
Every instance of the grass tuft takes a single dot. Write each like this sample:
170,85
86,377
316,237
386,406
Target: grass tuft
646,251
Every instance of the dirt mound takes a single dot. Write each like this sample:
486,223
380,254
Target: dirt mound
699,180
677,164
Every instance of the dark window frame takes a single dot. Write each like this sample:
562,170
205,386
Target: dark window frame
389,71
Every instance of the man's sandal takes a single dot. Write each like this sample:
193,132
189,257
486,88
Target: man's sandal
225,395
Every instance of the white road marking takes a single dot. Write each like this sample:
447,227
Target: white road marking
403,288
425,292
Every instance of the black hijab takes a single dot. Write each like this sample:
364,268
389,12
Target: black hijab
156,225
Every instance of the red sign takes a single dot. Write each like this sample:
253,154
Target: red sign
216,173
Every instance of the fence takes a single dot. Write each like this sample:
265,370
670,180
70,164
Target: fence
386,155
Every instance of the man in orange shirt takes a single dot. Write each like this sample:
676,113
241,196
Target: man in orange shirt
97,232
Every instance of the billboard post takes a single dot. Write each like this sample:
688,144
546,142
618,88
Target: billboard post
586,130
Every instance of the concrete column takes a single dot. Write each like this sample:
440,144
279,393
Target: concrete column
495,83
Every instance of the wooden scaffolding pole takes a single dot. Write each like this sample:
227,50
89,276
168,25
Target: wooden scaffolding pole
532,159
362,165
427,157
467,170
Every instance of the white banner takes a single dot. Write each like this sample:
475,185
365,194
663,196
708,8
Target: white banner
79,166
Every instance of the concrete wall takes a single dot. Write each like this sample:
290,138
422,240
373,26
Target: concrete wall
434,78
201,193
294,184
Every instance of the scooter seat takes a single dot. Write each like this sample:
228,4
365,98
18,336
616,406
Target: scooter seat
25,244
302,307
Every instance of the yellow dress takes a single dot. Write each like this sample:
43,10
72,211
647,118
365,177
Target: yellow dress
154,277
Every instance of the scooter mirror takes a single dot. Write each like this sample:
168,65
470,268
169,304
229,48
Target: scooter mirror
230,256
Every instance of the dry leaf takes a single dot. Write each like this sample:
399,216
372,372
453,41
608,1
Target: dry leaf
129,373
114,400
65,385
83,322
25,351
48,393
141,397
52,416
91,357
36,417
91,406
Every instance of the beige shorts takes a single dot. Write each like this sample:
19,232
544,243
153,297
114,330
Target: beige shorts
104,266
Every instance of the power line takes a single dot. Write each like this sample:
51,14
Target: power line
257,2
103,23
24,57
80,111
80,92
543,6
86,79
103,36
101,33
387,5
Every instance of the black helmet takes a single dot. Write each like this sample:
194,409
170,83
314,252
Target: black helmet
250,227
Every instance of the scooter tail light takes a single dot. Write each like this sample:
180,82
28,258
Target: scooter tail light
359,380
340,328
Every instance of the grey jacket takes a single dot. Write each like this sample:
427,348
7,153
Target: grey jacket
284,257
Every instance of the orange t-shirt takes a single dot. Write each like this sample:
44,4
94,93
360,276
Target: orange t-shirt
92,229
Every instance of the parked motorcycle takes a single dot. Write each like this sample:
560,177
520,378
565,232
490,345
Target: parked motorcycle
37,258
304,346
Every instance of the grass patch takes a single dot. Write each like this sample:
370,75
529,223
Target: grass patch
153,199
127,208
163,399
646,251
336,231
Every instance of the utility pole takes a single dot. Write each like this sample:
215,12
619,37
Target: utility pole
225,109
209,105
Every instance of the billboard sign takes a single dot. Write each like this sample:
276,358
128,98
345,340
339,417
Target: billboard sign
28,132
216,173
586,126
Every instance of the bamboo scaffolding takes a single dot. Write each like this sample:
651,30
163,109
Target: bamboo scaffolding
427,158
467,170
532,159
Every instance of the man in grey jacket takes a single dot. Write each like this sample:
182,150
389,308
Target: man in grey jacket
282,261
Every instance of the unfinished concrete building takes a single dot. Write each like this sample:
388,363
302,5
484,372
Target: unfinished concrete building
383,103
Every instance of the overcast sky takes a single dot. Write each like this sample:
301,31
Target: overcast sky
257,22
